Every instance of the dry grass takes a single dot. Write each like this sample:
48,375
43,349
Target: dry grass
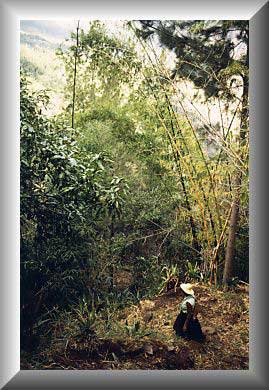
142,337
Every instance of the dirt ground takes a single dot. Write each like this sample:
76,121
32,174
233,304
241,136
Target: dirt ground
224,318
145,339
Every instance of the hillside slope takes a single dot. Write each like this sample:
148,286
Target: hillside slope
142,337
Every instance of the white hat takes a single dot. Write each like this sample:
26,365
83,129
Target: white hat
187,288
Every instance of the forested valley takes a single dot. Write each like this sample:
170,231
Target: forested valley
134,179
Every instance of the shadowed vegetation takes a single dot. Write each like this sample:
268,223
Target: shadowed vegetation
137,175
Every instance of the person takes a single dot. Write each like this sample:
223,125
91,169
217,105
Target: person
186,324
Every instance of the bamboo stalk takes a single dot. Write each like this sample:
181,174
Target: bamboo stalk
74,80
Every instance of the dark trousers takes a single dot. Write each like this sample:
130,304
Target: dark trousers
194,330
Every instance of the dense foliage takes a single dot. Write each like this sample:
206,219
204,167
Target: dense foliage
140,190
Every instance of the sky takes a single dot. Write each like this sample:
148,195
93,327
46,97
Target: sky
58,30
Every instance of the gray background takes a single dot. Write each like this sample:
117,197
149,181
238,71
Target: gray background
11,12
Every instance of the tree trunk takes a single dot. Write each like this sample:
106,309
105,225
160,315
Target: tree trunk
230,248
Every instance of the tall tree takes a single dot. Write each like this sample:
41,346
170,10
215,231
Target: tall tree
212,54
